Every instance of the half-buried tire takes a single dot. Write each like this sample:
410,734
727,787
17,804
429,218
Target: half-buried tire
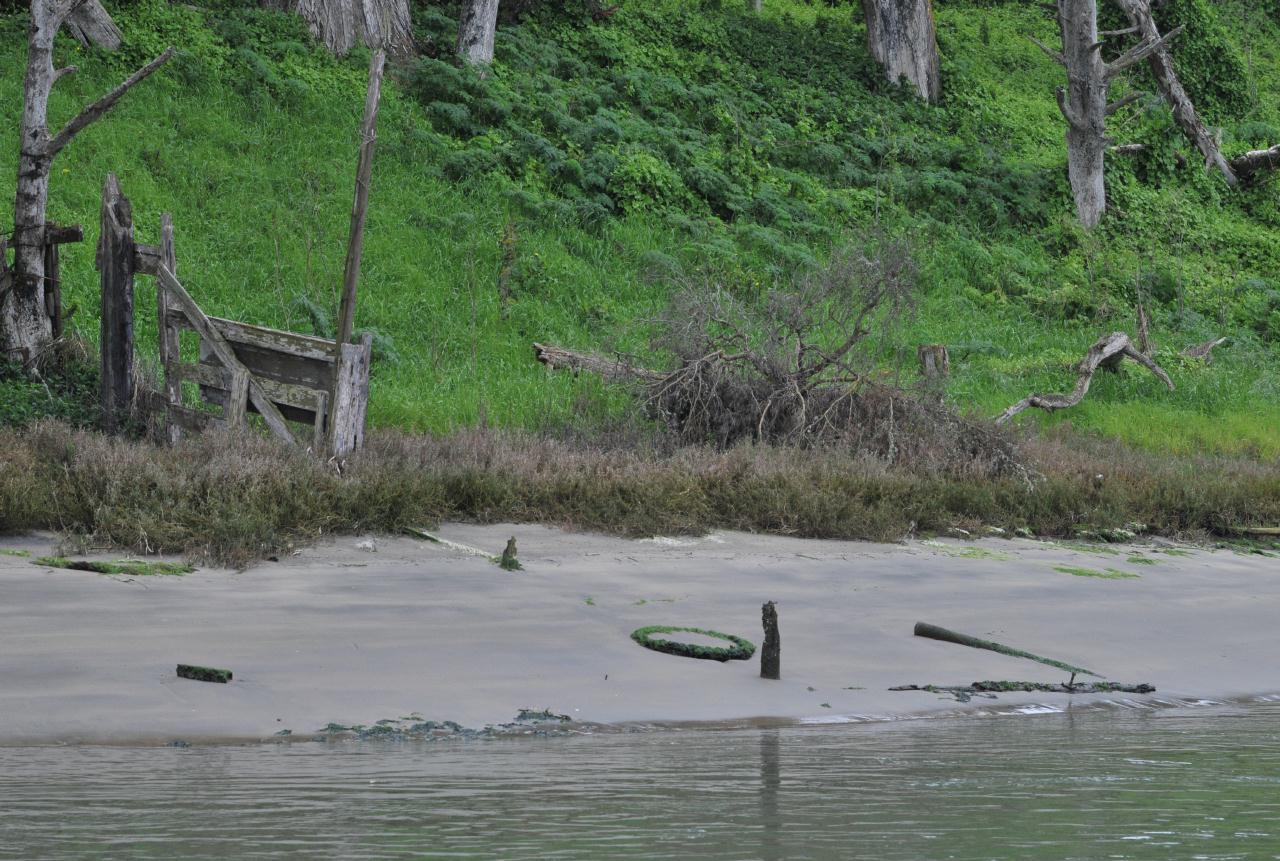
739,650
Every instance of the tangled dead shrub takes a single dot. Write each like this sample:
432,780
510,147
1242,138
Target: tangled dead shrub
794,364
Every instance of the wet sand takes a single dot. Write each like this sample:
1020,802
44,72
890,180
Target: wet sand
352,636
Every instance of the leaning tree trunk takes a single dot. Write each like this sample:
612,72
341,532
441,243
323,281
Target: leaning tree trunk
343,24
476,31
1184,112
25,327
901,36
90,24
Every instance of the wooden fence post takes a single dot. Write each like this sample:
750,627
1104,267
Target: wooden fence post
771,651
115,263
170,343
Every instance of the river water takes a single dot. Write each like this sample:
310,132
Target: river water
1173,784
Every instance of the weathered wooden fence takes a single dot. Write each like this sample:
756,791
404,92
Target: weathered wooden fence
282,376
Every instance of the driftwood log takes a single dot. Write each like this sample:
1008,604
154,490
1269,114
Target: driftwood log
933,632
1107,352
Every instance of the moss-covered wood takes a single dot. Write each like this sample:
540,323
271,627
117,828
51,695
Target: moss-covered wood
203,674
741,649
933,632
989,687
130,567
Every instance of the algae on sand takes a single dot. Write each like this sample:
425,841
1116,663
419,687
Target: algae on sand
1108,574
129,567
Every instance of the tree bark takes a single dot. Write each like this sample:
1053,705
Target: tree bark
25,327
90,24
476,31
1249,165
343,24
901,36
1184,112
1084,105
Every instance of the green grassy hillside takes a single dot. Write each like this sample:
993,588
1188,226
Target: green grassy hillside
601,163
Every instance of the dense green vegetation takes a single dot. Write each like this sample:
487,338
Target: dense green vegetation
600,163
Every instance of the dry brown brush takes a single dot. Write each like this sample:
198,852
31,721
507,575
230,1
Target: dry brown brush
238,498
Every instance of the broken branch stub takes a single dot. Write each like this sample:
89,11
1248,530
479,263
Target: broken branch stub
1107,351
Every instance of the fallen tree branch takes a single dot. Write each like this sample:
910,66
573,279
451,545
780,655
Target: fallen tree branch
617,370
1108,352
933,632
1255,161
1204,351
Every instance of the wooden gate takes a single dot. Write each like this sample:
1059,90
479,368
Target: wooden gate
282,376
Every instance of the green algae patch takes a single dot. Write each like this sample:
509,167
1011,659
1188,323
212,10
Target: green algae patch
1139,559
4,551
968,552
1086,547
1108,574
128,567
740,650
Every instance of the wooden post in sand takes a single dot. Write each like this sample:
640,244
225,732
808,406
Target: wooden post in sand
771,653
342,443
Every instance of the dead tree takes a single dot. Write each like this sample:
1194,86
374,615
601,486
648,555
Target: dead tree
476,31
1184,112
1107,352
901,36
1247,167
343,24
25,327
1083,101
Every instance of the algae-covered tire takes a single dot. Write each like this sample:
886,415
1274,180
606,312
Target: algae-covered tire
741,649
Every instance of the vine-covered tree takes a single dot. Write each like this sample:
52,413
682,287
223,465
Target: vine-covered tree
901,36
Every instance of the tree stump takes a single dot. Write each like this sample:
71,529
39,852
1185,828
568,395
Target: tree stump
935,362
771,652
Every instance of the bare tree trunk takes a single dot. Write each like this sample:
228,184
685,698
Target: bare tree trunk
756,5
476,32
343,24
1083,101
901,36
1184,112
1084,105
25,327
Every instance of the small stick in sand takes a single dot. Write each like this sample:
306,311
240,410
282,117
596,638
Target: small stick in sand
933,632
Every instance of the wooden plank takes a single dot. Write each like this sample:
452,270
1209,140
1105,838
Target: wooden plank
115,263
291,343
351,398
168,334
237,398
296,403
320,422
53,288
224,352
62,234
147,258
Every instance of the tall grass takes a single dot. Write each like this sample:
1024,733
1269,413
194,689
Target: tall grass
234,499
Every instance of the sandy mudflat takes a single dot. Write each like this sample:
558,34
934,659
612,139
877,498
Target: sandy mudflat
351,636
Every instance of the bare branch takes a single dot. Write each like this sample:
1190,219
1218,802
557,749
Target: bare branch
1124,102
1056,56
63,72
1141,52
1067,113
1128,149
102,105
1125,32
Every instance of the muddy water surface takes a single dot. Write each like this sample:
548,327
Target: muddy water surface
1200,783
